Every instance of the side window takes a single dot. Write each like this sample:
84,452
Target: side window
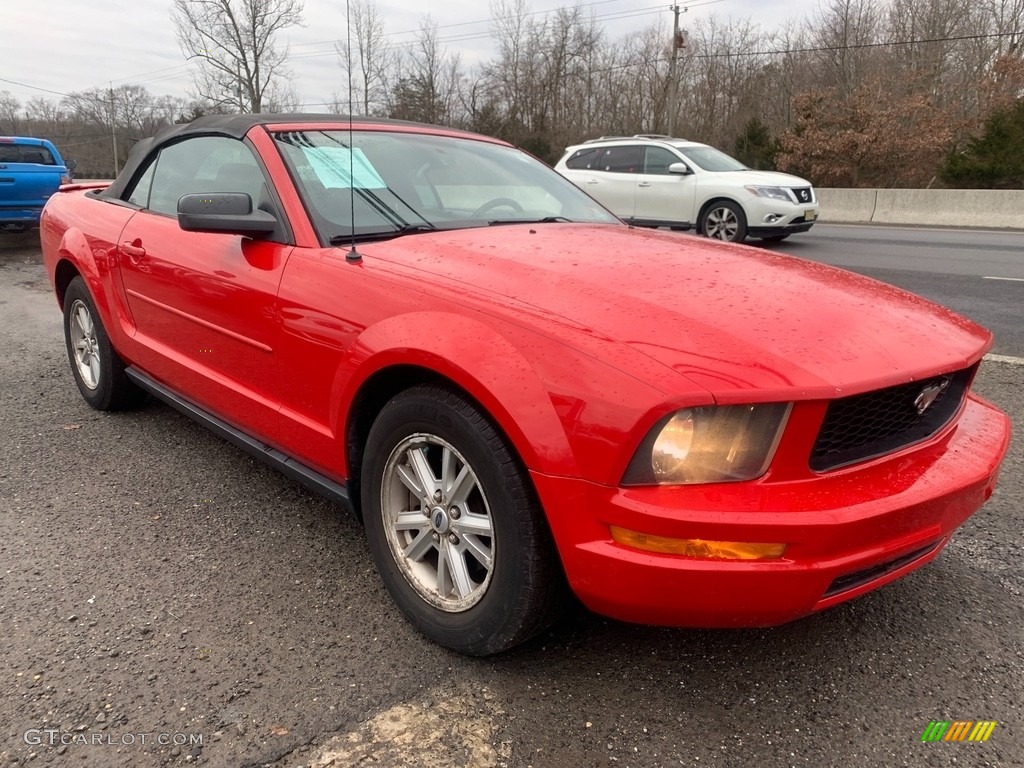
658,159
583,159
203,164
621,159
140,195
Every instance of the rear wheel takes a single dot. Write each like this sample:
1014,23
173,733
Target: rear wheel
454,526
724,220
98,370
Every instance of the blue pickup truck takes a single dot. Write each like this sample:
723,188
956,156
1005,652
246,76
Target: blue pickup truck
30,171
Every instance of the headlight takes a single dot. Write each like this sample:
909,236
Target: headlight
710,444
775,193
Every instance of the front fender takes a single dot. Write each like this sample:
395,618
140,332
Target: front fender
565,412
478,359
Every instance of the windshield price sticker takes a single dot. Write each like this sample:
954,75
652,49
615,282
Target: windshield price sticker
338,167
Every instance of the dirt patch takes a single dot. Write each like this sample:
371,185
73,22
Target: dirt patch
443,730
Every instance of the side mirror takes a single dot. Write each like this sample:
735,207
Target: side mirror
225,212
680,168
71,164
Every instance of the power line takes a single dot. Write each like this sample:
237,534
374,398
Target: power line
815,49
470,36
489,20
859,46
703,56
184,66
33,87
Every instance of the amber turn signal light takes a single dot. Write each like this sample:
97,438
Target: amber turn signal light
700,548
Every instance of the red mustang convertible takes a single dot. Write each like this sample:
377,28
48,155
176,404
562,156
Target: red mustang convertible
518,394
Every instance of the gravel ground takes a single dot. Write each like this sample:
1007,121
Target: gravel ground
166,600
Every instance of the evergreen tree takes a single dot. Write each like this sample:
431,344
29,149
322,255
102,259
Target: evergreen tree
755,147
995,160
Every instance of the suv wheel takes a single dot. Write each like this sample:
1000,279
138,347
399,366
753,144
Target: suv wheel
724,220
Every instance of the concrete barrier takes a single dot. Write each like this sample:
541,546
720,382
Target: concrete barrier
983,208
847,206
988,208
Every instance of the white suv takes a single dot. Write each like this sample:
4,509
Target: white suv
658,181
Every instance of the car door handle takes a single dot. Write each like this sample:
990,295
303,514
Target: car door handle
592,181
644,184
133,249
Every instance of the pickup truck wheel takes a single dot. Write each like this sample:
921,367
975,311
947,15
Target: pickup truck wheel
724,220
454,526
98,370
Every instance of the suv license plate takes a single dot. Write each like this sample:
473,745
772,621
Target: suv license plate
810,215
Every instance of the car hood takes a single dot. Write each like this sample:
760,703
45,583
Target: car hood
769,179
731,319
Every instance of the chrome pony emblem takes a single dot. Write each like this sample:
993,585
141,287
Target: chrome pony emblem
929,395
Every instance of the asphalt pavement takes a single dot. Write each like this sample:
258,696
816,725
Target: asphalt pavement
165,600
978,273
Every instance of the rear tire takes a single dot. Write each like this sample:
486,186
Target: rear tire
97,368
454,526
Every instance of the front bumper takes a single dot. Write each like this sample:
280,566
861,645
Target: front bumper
767,218
847,532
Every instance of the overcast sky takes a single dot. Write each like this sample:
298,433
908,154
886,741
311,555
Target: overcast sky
73,45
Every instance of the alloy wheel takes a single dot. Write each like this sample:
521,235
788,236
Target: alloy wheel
85,344
722,224
438,522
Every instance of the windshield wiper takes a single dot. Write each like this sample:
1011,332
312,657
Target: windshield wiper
545,220
387,234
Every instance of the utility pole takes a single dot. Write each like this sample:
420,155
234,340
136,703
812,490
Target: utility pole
673,78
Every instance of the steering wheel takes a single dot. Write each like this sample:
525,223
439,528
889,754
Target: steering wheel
497,202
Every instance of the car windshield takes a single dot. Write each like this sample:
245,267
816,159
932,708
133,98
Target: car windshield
711,159
396,182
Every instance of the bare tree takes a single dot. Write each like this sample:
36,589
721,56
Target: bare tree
428,80
235,43
369,61
9,109
844,32
42,110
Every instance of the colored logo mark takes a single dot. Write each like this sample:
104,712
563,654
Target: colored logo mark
958,730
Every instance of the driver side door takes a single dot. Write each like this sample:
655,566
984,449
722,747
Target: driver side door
203,304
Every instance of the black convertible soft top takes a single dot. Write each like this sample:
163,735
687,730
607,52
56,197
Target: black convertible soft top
235,126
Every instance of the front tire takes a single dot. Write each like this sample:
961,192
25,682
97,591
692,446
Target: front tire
724,220
454,526
98,370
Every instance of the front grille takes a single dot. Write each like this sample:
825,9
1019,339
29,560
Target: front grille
864,426
803,194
